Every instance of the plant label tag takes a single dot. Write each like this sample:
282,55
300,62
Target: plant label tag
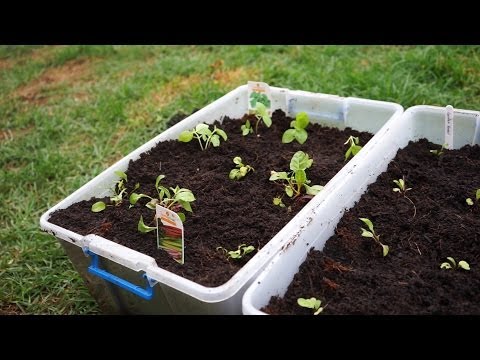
476,136
259,92
449,127
170,233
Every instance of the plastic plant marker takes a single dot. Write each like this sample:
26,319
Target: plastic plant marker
170,233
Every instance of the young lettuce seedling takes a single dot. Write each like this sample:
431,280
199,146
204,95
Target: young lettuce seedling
172,198
277,201
477,198
204,135
119,190
241,171
354,147
402,189
373,235
311,303
297,130
439,152
242,250
261,113
297,178
461,264
246,128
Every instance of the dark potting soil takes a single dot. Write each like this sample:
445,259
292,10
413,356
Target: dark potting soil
226,213
353,277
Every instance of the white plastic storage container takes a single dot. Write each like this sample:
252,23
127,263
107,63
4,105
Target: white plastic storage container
163,292
416,123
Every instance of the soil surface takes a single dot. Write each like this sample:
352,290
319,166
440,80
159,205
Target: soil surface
226,213
351,276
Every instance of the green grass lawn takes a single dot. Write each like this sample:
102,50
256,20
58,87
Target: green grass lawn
68,112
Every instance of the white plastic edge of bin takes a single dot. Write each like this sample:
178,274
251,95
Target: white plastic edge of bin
275,278
216,110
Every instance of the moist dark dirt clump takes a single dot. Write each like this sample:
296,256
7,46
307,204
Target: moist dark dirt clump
226,213
353,277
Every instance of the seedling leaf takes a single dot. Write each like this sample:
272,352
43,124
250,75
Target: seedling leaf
385,249
288,136
366,233
98,206
367,222
144,228
121,175
185,136
313,190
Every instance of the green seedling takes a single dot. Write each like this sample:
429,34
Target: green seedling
311,303
261,113
119,189
277,201
170,198
296,179
144,228
439,152
204,135
246,128
370,233
297,131
242,250
98,206
256,97
453,265
402,189
354,147
477,198
241,170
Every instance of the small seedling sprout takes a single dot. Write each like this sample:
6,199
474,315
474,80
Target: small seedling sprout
370,233
402,189
311,303
439,152
261,113
242,250
246,128
173,198
297,131
204,135
452,264
241,169
296,179
354,147
401,186
119,189
470,202
277,201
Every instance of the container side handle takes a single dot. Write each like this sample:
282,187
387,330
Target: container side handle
94,269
